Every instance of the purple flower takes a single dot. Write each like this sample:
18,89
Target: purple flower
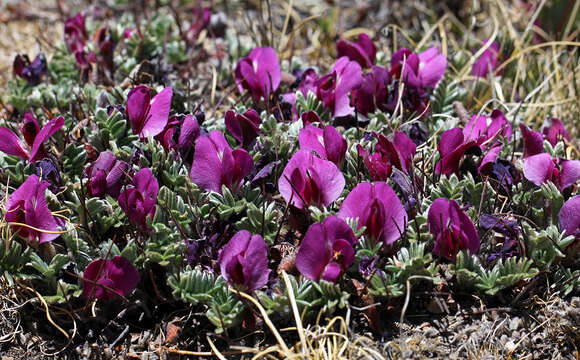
398,152
569,216
555,132
106,279
75,34
373,92
106,45
33,72
181,132
244,127
533,142
201,20
326,250
10,144
452,228
216,164
483,128
308,180
333,89
362,51
27,206
422,70
138,202
106,175
377,207
259,73
147,116
328,143
244,261
488,61
542,167
307,81
452,147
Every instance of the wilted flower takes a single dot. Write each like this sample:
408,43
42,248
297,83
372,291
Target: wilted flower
105,175
362,51
106,45
259,73
147,116
138,202
33,72
216,164
488,61
555,131
107,279
422,70
33,135
181,132
328,143
377,207
308,180
244,261
542,167
326,250
27,212
333,89
244,127
452,228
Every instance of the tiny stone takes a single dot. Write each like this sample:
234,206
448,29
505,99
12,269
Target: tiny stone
515,323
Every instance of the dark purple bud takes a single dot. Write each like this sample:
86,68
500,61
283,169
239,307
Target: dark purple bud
244,127
33,72
105,175
138,201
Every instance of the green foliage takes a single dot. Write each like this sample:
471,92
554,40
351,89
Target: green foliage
445,94
304,290
566,281
199,287
113,132
448,187
311,103
412,261
547,245
13,259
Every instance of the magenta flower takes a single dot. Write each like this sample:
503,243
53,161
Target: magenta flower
75,34
308,180
27,206
569,216
326,250
33,72
452,147
105,175
362,51
488,61
422,70
181,132
377,207
138,201
555,132
244,127
147,116
452,228
533,141
542,167
259,73
328,143
308,80
373,92
244,261
106,45
201,20
34,137
483,128
107,279
215,164
333,89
